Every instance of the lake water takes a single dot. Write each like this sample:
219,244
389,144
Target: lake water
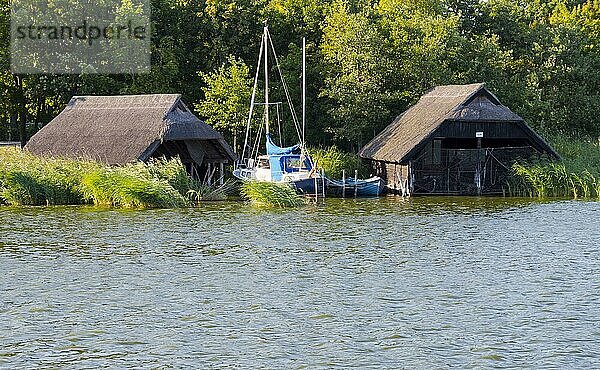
379,283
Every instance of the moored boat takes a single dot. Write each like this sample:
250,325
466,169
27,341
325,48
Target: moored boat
291,165
371,187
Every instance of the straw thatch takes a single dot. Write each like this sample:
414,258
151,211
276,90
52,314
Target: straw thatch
128,128
412,129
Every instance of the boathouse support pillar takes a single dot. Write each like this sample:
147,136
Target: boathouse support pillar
221,174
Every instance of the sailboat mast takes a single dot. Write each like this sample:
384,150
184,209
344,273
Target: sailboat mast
266,35
252,100
303,87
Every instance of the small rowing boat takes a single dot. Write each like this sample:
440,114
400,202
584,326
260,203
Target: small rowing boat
371,187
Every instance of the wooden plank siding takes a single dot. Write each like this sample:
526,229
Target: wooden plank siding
465,129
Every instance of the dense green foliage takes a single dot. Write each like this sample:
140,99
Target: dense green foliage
576,176
367,62
29,180
270,194
578,154
335,161
226,98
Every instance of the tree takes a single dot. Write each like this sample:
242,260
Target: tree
355,74
381,59
367,61
227,98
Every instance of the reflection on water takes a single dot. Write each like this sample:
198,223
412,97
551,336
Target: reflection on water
390,282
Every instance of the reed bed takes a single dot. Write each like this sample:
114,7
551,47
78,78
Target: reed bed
553,180
129,186
576,176
29,180
268,194
207,193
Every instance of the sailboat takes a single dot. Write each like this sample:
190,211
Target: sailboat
280,164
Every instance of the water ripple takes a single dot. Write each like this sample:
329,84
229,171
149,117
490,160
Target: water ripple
378,283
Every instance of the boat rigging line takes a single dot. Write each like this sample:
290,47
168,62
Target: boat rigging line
285,87
252,100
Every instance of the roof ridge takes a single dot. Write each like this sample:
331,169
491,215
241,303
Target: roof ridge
125,95
480,86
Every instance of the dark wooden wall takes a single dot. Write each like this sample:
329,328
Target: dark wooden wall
395,175
460,129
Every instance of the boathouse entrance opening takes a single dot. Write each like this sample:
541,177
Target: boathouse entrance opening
444,167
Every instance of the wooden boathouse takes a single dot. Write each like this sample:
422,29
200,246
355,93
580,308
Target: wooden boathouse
128,128
457,139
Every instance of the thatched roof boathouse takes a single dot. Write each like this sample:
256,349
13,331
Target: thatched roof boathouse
128,128
457,139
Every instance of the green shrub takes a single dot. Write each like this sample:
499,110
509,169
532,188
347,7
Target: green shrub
334,162
174,172
21,188
29,180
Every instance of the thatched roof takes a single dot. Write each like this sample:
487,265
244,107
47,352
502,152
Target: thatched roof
453,103
124,128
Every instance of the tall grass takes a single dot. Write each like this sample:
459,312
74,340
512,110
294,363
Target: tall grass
29,180
577,175
268,194
334,161
131,186
173,172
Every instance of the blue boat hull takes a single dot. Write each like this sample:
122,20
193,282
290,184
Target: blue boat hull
372,187
307,186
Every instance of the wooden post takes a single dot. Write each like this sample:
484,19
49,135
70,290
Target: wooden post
343,183
323,181
316,190
210,173
222,174
401,183
355,183
411,179
478,178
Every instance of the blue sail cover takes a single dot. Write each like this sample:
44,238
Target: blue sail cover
283,160
273,149
277,169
